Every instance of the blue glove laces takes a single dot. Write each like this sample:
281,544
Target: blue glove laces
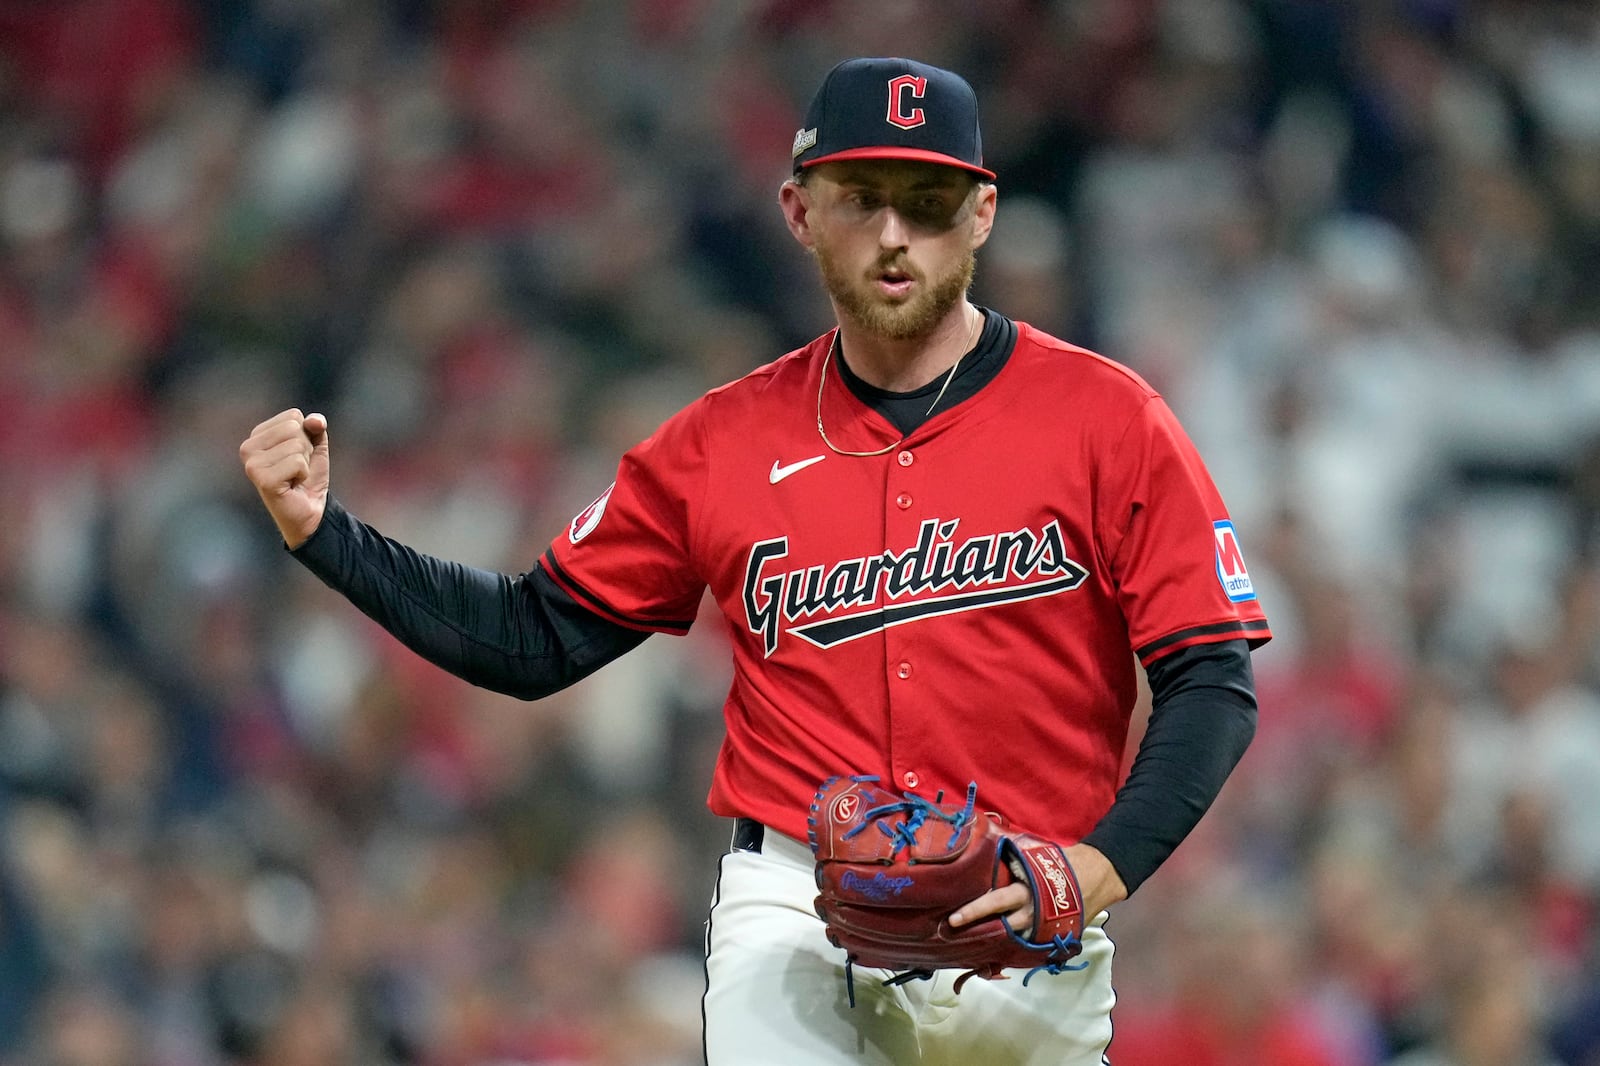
917,811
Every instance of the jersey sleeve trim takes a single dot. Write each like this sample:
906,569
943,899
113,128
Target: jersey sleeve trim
605,610
1254,630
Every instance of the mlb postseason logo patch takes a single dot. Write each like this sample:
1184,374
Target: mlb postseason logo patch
590,516
1230,564
804,139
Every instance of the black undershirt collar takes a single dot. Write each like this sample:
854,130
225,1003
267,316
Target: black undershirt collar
908,410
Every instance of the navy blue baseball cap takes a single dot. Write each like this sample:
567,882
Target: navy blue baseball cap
892,109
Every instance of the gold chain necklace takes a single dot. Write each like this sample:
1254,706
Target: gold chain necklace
972,337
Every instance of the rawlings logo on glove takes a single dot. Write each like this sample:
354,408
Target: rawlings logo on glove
879,887
891,868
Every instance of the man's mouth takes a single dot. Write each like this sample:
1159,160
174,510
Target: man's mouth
895,283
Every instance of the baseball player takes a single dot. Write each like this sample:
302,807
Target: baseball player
940,537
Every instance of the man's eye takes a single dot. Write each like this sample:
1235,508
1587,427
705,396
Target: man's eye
928,208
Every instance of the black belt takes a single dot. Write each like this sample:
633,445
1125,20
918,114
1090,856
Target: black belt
748,834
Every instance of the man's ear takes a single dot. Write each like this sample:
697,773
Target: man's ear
983,214
794,200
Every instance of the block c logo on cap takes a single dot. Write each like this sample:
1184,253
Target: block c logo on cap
898,116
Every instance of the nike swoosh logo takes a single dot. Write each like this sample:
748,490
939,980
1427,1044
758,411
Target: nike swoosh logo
781,472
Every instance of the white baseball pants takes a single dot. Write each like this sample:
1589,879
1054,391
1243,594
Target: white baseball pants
775,993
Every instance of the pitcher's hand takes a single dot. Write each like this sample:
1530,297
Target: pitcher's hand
286,459
1097,880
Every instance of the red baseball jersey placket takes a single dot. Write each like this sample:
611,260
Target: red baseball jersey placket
905,522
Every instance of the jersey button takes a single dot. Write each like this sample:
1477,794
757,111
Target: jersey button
903,500
903,671
911,779
905,458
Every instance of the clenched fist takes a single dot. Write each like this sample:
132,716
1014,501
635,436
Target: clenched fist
286,459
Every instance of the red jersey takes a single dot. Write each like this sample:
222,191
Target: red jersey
965,607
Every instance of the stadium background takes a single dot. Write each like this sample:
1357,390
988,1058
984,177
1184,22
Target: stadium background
497,241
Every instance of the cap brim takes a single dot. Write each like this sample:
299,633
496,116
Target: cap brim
890,151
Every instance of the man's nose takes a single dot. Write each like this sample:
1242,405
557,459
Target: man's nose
894,232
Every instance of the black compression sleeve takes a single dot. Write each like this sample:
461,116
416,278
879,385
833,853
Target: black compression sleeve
522,636
1202,718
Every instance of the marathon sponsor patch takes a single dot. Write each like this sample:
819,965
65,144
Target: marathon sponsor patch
590,516
1230,564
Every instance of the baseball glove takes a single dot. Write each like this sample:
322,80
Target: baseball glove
891,868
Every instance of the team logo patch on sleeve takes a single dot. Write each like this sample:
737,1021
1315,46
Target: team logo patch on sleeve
590,516
1230,564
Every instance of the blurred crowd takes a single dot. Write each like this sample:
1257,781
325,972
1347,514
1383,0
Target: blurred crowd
1357,246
